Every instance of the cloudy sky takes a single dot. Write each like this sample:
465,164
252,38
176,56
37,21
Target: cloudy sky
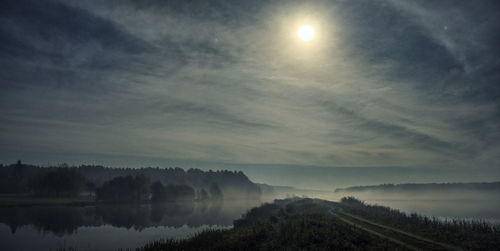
385,83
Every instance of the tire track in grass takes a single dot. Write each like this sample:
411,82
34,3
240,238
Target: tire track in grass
415,239
398,242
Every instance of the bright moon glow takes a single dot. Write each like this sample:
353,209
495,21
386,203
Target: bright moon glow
306,33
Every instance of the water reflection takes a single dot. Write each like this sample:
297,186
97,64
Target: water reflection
487,210
58,220
61,220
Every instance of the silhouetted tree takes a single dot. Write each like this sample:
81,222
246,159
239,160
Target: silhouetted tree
124,188
59,182
158,192
142,187
179,192
215,191
232,184
22,178
90,187
202,194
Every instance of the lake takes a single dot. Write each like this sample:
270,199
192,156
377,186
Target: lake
111,227
487,210
467,205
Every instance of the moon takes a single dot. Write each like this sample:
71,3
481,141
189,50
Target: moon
306,33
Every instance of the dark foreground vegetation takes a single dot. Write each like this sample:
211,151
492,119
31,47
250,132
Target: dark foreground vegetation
311,224
460,233
283,225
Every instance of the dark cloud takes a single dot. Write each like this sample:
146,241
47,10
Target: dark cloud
50,29
230,12
58,46
382,34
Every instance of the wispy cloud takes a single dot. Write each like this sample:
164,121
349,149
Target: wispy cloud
386,83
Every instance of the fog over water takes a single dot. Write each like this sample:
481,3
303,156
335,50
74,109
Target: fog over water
467,205
443,205
105,227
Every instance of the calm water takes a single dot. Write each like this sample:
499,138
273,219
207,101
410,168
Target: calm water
111,227
465,205
488,210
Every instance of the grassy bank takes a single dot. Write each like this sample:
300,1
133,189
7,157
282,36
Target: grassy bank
311,224
284,225
450,234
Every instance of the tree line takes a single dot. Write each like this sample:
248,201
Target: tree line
425,187
125,184
138,188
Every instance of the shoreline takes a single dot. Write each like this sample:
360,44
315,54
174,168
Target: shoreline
26,201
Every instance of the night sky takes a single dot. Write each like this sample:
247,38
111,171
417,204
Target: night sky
385,83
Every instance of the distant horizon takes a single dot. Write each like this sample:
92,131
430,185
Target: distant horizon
317,177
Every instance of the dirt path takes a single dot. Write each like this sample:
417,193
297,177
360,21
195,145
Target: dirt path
407,246
405,239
